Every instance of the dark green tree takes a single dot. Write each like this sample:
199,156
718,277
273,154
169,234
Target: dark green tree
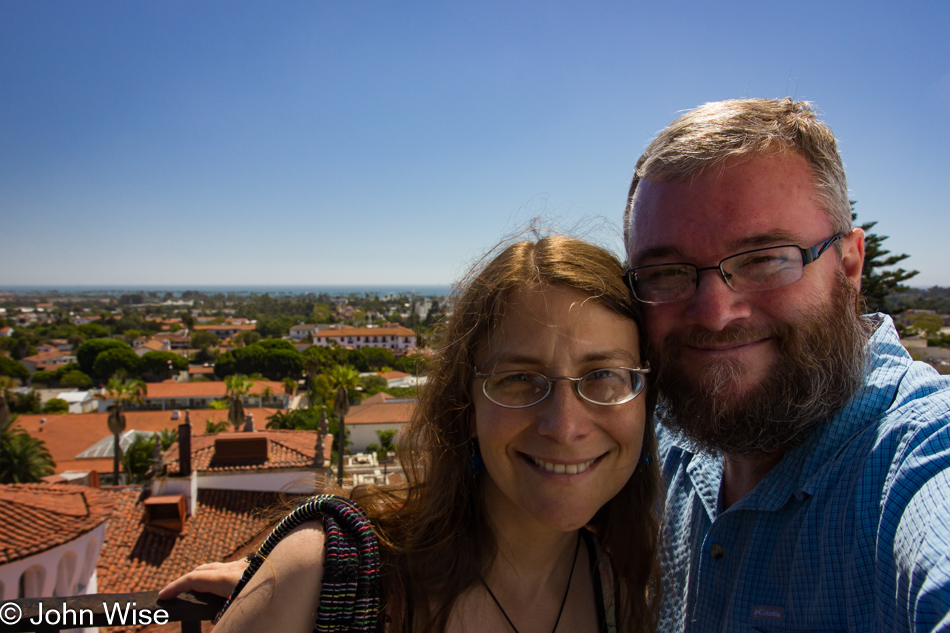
56,405
155,365
137,458
117,360
88,351
13,368
876,283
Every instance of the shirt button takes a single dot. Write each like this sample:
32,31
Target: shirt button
717,551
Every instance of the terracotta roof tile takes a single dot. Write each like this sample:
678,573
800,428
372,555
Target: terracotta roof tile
37,517
287,449
382,413
398,330
136,557
67,435
213,389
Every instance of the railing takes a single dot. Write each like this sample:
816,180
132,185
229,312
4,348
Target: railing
108,609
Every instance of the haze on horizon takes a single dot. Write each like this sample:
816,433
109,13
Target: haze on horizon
316,143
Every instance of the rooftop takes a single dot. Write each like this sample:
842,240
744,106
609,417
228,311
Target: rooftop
38,517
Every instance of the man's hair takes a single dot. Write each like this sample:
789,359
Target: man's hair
741,129
435,535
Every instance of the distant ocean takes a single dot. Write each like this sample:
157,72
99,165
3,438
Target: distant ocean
177,290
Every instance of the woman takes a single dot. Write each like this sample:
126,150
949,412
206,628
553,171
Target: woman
532,478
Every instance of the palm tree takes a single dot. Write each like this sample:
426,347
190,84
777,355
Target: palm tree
122,390
23,458
5,383
343,379
237,386
289,385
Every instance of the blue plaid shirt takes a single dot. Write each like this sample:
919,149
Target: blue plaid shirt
849,532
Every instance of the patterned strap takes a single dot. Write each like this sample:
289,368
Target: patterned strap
350,592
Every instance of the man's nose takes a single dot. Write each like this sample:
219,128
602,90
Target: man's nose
564,416
715,305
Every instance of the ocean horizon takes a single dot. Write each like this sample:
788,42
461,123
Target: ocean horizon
426,290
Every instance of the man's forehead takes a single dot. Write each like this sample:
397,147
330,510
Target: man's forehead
762,202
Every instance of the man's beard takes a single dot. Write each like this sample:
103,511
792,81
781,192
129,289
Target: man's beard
820,366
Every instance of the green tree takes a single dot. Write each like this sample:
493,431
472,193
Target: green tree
203,339
75,379
23,458
212,427
247,338
137,458
117,360
122,390
929,324
236,387
56,405
378,357
13,368
167,437
289,386
344,379
876,282
156,364
87,353
372,384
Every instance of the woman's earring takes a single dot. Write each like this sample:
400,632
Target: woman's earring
475,463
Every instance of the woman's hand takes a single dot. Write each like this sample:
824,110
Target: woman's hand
216,578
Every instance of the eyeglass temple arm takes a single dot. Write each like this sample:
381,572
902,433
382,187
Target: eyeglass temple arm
811,254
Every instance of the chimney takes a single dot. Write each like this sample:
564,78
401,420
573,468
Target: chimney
249,423
184,446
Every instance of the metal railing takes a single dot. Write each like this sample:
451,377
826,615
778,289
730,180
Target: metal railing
108,609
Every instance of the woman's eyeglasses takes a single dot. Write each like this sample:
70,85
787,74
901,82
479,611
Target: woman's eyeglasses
607,386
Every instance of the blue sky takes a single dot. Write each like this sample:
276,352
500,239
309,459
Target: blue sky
331,142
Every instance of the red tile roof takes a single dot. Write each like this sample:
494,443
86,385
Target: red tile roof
68,434
287,449
392,375
215,389
382,412
366,331
242,327
43,357
136,557
37,517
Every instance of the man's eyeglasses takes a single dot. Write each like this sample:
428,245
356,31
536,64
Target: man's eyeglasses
751,271
520,389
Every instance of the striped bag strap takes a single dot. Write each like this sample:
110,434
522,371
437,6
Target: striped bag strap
350,591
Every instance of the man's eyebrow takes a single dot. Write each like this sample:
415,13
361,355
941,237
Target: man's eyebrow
672,254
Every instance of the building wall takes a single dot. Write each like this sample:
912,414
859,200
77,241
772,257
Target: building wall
362,435
291,481
65,570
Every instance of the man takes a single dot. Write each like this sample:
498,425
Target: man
807,457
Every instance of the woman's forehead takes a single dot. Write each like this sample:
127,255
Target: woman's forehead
548,323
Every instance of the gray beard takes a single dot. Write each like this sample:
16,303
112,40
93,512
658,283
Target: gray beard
822,364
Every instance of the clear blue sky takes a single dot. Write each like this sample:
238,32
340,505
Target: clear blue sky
350,142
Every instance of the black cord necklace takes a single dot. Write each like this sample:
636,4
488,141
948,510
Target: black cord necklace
563,600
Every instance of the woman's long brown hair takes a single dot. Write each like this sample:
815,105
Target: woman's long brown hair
434,536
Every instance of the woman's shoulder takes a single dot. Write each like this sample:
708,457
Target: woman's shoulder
284,593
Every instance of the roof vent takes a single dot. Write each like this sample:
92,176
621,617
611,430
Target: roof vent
176,415
234,448
166,511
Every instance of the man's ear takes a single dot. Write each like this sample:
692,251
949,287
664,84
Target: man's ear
852,256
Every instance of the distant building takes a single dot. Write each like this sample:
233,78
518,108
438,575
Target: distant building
392,337
381,412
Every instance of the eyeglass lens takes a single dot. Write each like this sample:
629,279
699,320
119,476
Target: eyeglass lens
752,271
525,388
